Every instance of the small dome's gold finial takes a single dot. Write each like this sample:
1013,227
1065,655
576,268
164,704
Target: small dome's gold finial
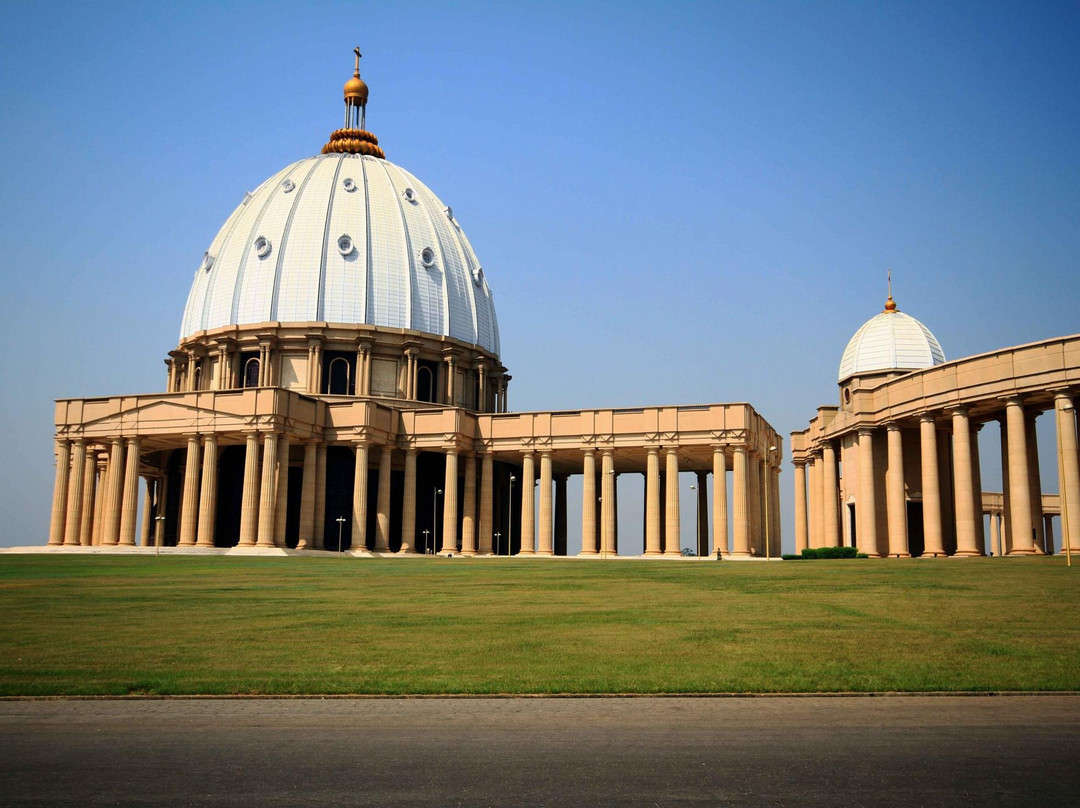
890,304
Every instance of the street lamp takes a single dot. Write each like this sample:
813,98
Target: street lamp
340,524
157,534
435,521
510,526
426,542
697,524
1068,410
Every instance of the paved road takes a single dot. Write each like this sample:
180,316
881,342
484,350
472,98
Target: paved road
1013,750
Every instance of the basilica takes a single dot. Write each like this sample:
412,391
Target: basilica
338,386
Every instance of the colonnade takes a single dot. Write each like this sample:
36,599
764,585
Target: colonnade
96,497
945,480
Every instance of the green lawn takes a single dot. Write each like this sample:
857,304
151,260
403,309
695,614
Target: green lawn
115,624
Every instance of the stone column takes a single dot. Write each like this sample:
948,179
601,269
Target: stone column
76,481
382,500
1070,470
673,533
703,513
652,502
866,504
546,532
487,494
741,493
528,505
189,507
129,506
450,503
1034,483
249,508
560,515
963,484
588,503
774,509
1006,529
896,497
208,495
281,511
720,517
147,512
408,504
800,506
468,512
1019,479
268,491
608,514
1048,531
830,498
976,494
319,526
817,502
931,488
86,523
110,532
359,504
305,538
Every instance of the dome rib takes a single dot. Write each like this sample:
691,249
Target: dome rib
280,258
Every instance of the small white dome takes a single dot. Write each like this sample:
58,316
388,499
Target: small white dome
890,341
344,238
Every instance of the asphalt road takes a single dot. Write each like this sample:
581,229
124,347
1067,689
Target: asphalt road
1008,750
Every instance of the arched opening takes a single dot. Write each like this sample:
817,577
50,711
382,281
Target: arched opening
425,382
251,373
198,376
337,383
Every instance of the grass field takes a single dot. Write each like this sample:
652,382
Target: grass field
117,625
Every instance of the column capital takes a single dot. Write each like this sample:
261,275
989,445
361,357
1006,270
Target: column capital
866,431
545,453
1063,395
928,417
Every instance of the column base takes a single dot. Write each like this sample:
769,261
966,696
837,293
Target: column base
544,553
672,553
467,553
1021,551
653,553
588,553
966,554
738,554
899,555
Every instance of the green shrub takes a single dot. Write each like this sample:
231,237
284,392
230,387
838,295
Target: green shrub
832,552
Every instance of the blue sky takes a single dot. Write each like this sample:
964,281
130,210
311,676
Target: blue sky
673,202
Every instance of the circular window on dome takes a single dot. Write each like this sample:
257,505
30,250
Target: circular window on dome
287,186
409,194
262,247
207,261
427,257
345,245
348,184
478,276
449,213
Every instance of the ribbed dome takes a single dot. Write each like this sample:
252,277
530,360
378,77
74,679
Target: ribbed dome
349,239
890,341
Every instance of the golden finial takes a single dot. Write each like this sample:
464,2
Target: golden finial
353,138
890,304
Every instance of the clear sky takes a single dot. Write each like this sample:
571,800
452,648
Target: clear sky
673,202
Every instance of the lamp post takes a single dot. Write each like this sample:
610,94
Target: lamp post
435,521
697,523
510,526
426,534
340,524
498,543
768,496
157,544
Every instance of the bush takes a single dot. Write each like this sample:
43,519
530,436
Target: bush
832,552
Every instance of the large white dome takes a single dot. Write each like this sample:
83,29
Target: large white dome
890,340
344,238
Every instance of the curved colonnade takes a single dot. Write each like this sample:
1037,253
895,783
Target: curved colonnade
895,469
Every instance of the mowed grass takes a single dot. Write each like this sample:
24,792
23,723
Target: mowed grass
175,625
